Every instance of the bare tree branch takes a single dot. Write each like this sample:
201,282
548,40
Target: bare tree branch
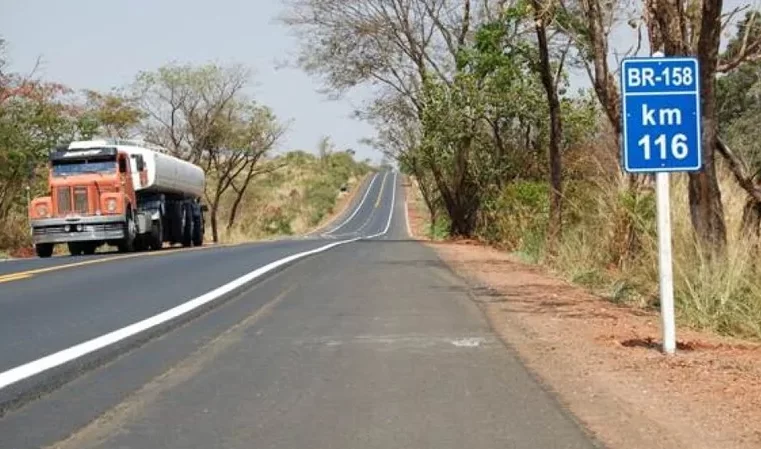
739,171
747,51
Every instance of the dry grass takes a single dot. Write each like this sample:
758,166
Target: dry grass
14,236
291,201
722,295
420,218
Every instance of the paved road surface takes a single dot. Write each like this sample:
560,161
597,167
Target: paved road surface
372,343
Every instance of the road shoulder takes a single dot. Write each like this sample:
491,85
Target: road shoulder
602,361
345,201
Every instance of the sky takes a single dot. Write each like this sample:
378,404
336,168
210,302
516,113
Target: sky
103,44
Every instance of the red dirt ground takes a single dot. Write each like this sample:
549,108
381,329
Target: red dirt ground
603,361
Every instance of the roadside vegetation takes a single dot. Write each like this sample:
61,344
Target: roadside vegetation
298,197
474,100
199,113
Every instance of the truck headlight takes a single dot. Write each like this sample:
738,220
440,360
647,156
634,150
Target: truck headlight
42,210
111,205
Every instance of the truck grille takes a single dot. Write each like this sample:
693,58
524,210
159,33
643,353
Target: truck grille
64,200
80,199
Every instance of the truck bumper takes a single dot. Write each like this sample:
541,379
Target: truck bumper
78,229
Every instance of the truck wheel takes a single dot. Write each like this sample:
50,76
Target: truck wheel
75,248
44,249
197,231
127,244
140,243
177,223
157,235
187,232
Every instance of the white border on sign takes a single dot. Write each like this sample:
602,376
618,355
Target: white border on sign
624,94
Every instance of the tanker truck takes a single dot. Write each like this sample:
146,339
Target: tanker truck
129,194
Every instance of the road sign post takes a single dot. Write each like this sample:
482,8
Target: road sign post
661,134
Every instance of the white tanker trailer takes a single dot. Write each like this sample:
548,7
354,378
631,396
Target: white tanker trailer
125,193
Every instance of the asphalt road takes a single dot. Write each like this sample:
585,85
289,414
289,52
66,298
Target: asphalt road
369,343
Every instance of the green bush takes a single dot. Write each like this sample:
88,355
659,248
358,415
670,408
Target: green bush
518,219
278,223
440,229
320,197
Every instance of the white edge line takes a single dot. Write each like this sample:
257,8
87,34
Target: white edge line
359,206
407,213
59,358
369,219
393,205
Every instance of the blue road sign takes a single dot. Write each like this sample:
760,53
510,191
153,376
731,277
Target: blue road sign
661,114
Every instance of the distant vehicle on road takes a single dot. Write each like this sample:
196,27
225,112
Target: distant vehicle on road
125,193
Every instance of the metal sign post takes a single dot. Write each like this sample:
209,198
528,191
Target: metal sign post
661,134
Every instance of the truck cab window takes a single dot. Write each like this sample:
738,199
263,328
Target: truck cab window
81,167
139,164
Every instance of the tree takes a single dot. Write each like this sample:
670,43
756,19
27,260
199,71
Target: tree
393,44
110,115
202,115
184,105
679,29
404,47
589,24
543,14
398,136
250,139
453,149
739,103
34,116
325,149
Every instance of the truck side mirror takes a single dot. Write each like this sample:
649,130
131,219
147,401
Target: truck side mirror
140,163
122,165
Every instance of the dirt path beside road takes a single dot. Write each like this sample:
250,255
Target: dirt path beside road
603,360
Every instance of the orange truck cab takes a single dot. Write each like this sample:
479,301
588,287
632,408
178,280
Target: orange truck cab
127,194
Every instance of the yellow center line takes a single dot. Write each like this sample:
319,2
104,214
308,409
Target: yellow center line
380,193
27,274
14,277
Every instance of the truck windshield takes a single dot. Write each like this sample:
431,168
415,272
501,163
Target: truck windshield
82,167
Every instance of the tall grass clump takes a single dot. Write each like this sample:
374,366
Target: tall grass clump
14,232
596,250
723,293
518,219
720,293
